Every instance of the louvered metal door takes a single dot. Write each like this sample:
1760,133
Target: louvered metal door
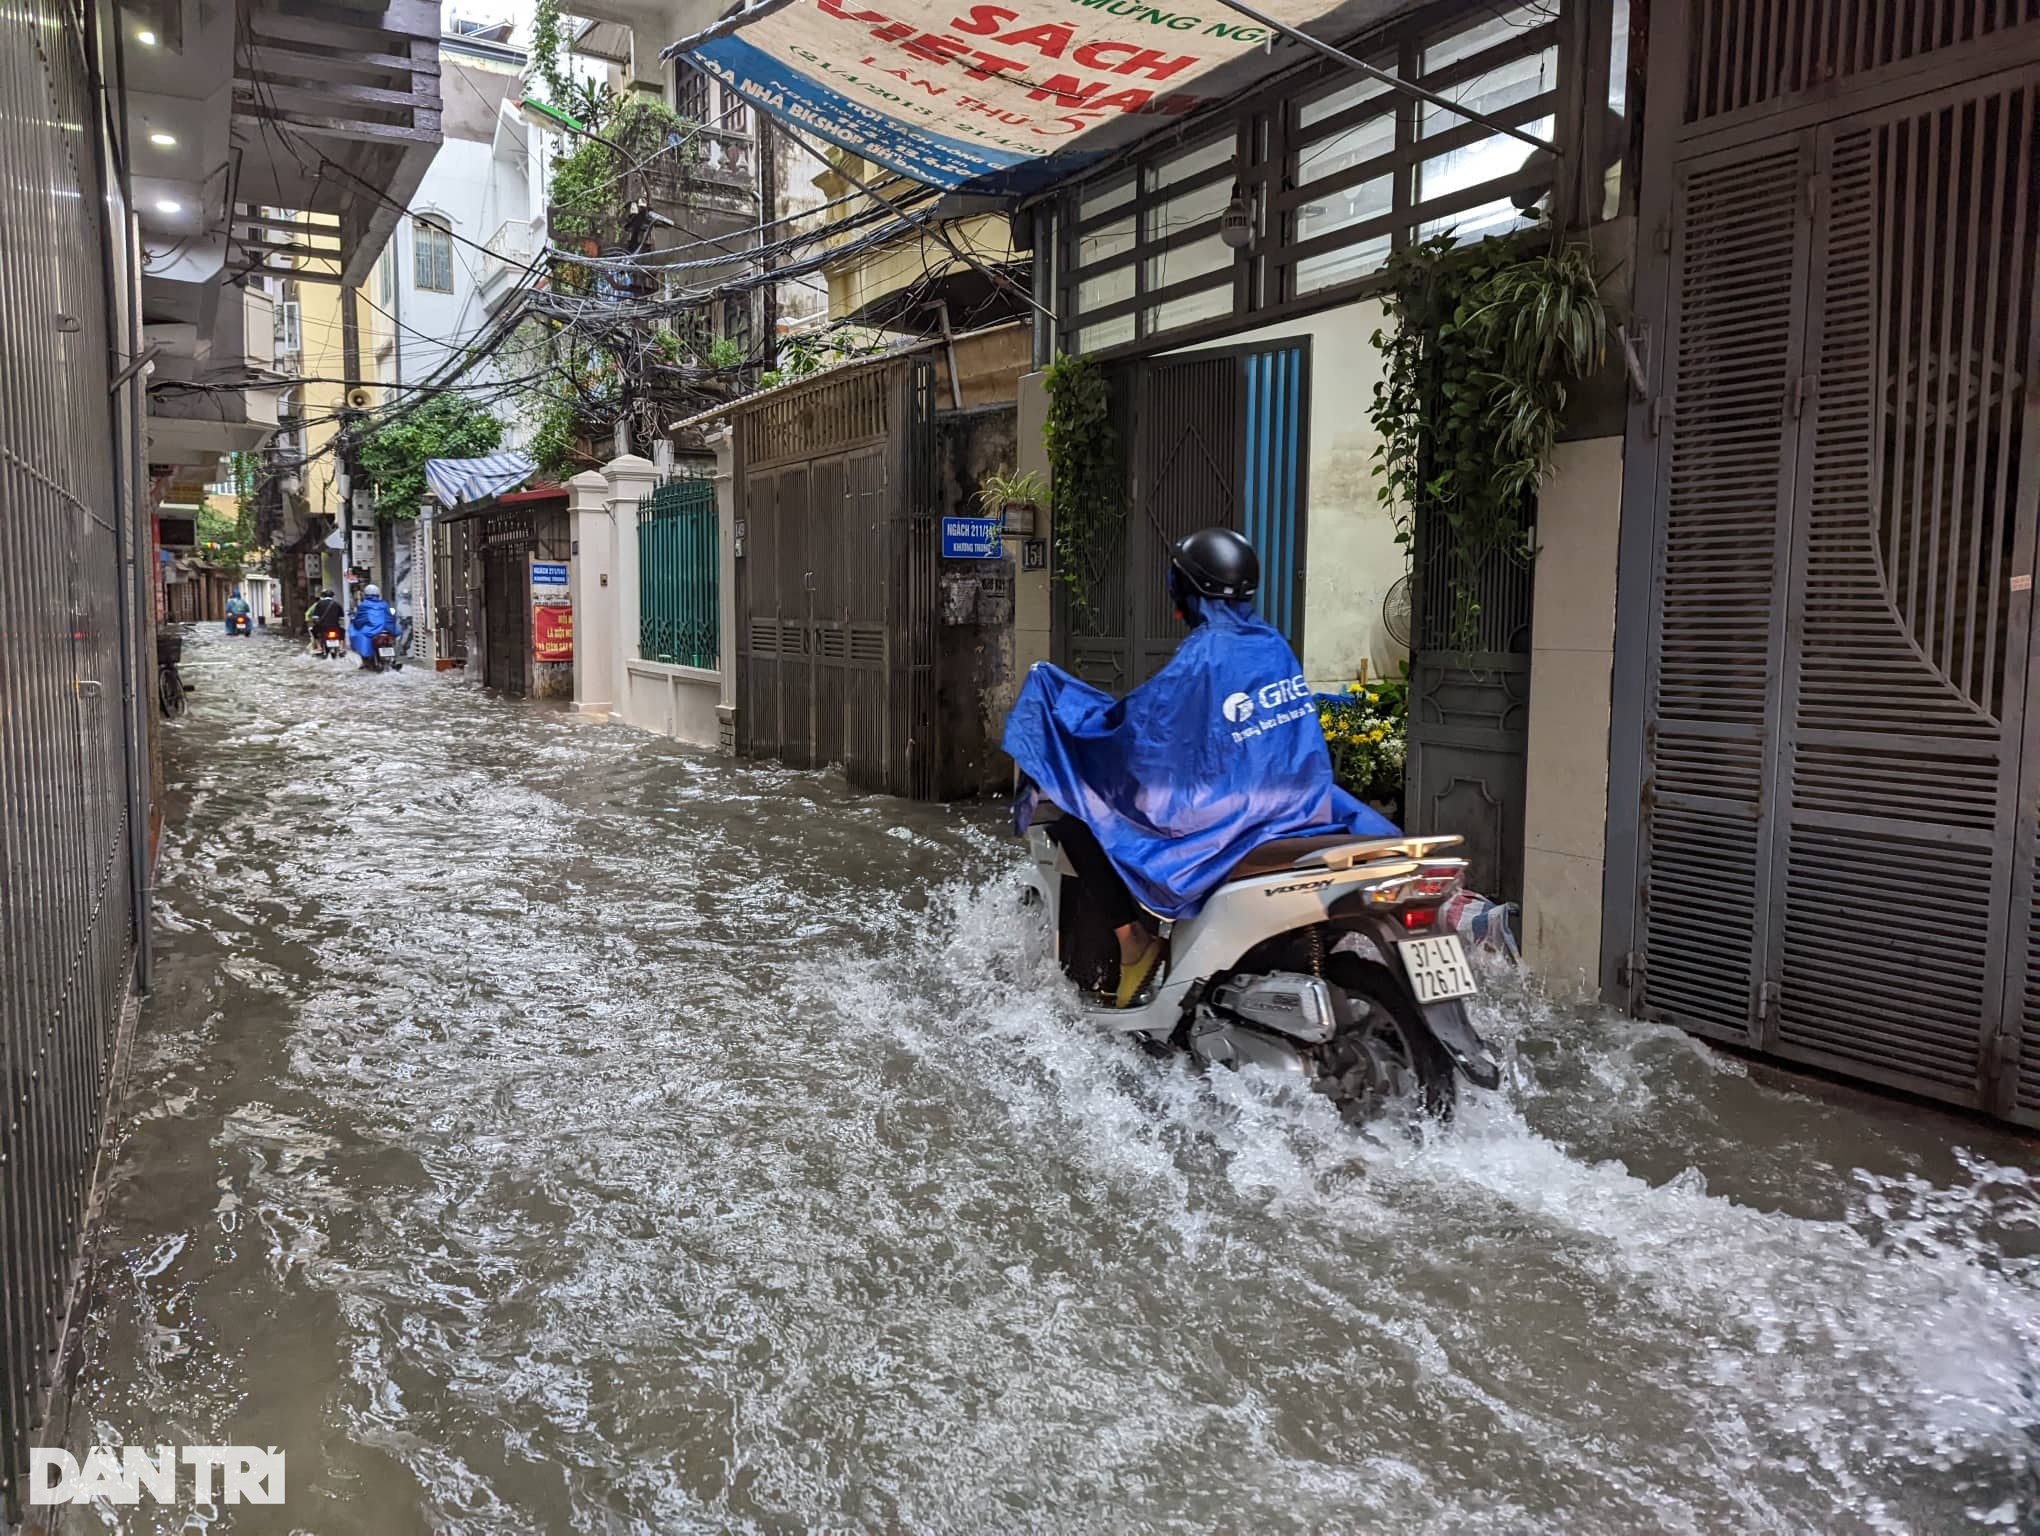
1738,274
1898,771
1837,841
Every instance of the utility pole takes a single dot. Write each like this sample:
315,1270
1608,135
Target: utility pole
350,371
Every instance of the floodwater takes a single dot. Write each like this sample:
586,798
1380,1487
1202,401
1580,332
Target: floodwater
537,1128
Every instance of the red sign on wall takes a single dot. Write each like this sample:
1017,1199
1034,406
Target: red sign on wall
552,633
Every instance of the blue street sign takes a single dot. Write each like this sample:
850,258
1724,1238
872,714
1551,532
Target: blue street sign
971,538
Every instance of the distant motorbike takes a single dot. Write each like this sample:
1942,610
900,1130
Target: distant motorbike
330,643
238,624
1324,957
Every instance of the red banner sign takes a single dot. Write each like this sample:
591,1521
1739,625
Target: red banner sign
552,633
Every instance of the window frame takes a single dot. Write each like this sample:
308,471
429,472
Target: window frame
421,224
1273,142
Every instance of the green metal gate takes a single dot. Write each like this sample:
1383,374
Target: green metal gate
679,616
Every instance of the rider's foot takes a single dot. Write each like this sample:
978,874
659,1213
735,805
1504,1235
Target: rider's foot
1133,974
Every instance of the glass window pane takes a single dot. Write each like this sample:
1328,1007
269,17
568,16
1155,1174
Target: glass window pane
1103,199
1114,239
1464,45
1495,218
1488,160
1491,92
1349,95
1338,210
1187,163
1211,254
1362,142
1187,209
1095,338
1208,305
1342,265
1107,288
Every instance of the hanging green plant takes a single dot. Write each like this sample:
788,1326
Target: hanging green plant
1481,343
1087,488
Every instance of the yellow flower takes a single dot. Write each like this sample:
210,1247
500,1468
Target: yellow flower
1374,698
1355,688
1378,734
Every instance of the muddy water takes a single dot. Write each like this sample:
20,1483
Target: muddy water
537,1128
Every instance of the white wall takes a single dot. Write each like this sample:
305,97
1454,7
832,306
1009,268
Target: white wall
1351,558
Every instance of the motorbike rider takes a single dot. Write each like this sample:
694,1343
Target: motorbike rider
325,614
237,608
372,617
1165,791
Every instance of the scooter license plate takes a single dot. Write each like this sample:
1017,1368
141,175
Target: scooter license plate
1437,968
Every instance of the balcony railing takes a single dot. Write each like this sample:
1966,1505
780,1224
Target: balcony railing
510,252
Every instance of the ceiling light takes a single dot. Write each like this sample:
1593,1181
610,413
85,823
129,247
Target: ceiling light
146,38
164,139
165,205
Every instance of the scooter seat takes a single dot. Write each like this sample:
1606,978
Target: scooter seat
1282,854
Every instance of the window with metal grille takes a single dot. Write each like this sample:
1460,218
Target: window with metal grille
690,92
1331,171
431,256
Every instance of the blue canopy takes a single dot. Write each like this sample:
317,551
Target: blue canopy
1215,755
456,481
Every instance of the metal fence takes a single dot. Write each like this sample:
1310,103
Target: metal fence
679,564
73,746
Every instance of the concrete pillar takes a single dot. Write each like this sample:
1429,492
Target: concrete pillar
630,479
592,590
726,589
1572,650
1032,594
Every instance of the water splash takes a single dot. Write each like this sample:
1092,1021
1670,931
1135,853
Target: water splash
538,1127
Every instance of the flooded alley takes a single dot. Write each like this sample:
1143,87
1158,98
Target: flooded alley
537,1128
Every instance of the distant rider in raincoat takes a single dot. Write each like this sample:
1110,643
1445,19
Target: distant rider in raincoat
1165,791
237,605
371,617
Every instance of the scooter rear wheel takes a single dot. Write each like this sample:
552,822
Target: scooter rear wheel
1384,1056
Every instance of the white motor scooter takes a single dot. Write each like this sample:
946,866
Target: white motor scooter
1325,957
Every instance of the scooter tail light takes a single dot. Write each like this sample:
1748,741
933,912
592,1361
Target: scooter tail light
1429,885
1419,917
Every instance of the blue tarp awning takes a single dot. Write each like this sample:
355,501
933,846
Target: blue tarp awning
458,481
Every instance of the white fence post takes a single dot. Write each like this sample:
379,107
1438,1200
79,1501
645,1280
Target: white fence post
726,590
630,479
592,592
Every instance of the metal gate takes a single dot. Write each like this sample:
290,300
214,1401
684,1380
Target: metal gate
1835,782
837,559
456,578
1469,711
506,541
1218,439
72,747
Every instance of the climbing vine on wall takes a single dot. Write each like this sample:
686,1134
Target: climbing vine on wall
1480,345
1087,488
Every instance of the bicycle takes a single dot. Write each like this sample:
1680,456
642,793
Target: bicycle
170,689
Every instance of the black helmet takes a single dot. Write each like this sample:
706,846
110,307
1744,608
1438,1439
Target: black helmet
1213,562
325,591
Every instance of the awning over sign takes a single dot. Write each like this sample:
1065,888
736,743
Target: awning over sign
455,481
1006,98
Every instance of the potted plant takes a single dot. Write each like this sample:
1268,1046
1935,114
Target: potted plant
1366,732
1015,499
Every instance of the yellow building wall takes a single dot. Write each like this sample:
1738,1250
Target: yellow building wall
323,394
864,279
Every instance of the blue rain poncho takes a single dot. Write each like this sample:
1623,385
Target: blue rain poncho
1216,754
372,617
